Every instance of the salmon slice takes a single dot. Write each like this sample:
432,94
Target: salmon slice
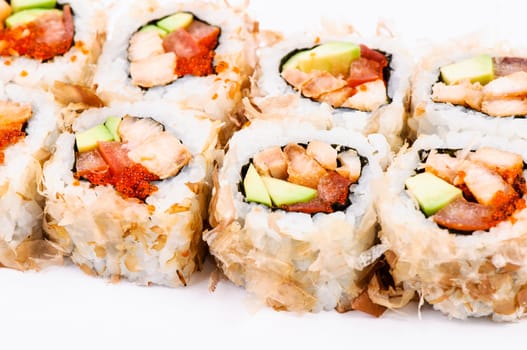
154,70
462,215
90,162
205,34
115,155
301,168
363,70
182,44
144,45
338,97
271,162
507,65
295,77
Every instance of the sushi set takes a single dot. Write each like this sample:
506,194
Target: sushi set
318,171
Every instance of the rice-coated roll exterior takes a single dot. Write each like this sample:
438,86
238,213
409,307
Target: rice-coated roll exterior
288,258
191,53
358,83
116,222
478,86
28,129
457,233
63,43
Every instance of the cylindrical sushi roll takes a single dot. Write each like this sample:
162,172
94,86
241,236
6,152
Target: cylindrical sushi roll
28,129
335,80
454,221
191,53
43,41
127,191
292,211
476,86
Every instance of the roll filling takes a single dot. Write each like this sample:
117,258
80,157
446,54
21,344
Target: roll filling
172,47
41,30
341,74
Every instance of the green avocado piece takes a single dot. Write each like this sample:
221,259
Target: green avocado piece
255,190
476,69
87,140
292,62
176,21
112,124
19,5
153,28
27,16
431,192
283,192
332,57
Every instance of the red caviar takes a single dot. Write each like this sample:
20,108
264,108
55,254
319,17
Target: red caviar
42,39
7,138
132,182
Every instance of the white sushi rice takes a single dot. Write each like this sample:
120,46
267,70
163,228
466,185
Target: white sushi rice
20,174
271,93
294,261
75,66
429,117
158,241
217,94
480,274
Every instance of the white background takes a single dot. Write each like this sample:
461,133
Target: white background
61,308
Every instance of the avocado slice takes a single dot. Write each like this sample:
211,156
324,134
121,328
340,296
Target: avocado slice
292,62
332,57
283,192
176,21
19,5
153,28
87,140
27,16
431,192
476,69
112,124
255,190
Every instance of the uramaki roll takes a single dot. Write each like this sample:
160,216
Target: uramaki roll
60,41
454,220
28,129
191,53
335,79
303,253
130,201
478,86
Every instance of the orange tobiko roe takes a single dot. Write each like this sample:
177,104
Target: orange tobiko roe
132,182
33,39
7,138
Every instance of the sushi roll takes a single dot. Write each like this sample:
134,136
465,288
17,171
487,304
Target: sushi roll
454,221
42,41
190,53
335,80
471,87
127,190
28,128
293,216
